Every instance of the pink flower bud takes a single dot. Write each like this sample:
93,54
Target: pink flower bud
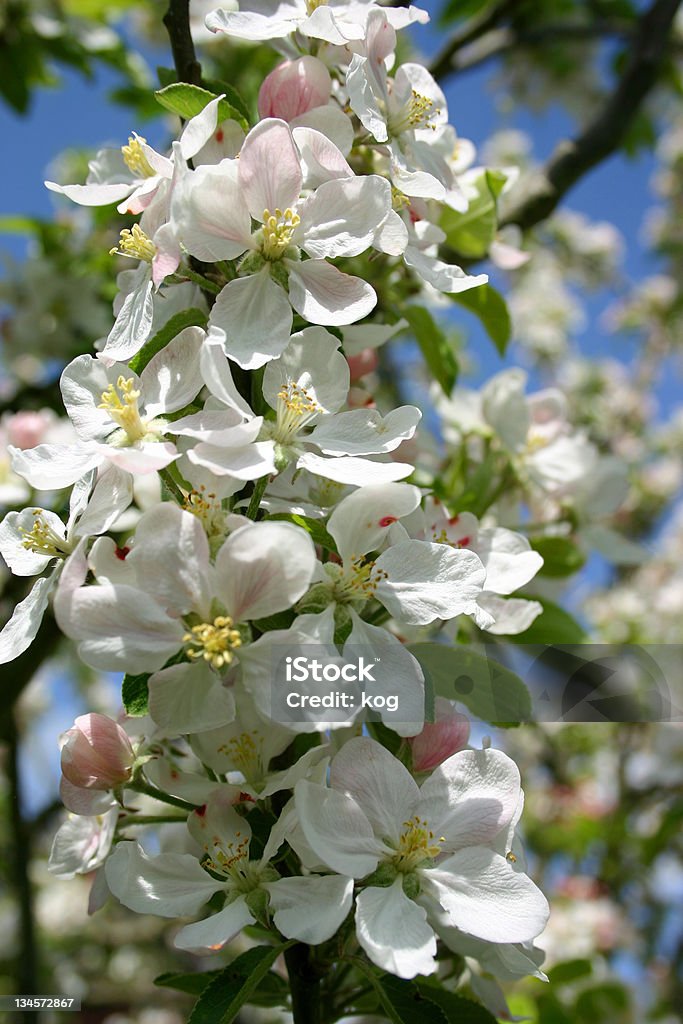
97,753
294,88
27,429
439,739
359,398
364,362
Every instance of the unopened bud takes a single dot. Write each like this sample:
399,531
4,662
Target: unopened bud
294,88
97,753
440,739
364,362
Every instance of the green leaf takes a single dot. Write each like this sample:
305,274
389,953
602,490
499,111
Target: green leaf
570,970
189,100
561,556
488,689
166,76
401,1000
606,1002
217,86
436,350
553,626
173,327
194,983
222,999
490,307
18,225
314,527
135,694
455,1008
471,233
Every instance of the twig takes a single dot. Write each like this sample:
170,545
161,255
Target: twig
177,22
444,62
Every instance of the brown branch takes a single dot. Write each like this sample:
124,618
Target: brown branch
575,157
177,22
444,62
504,40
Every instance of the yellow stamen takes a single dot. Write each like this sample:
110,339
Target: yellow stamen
135,159
43,539
136,244
313,5
213,641
416,844
419,112
120,401
295,408
399,200
278,229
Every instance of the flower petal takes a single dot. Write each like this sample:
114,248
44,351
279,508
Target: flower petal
471,797
482,895
393,931
336,829
269,168
263,569
189,698
169,885
251,319
310,909
324,295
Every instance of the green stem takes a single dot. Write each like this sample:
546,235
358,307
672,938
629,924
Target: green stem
304,983
256,495
138,786
203,282
148,819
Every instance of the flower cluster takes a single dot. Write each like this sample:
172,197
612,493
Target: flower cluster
232,500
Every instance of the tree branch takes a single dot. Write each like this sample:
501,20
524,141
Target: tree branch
574,157
177,22
444,62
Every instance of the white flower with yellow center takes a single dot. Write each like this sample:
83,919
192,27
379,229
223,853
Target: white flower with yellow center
416,581
305,387
251,208
309,908
36,539
118,416
135,173
169,600
430,858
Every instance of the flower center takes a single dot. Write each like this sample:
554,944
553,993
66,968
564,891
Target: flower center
245,753
416,845
120,401
399,200
213,641
278,229
136,244
419,112
357,580
295,407
135,159
208,509
313,5
43,539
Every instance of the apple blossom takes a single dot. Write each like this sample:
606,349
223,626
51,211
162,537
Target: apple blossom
306,908
425,855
